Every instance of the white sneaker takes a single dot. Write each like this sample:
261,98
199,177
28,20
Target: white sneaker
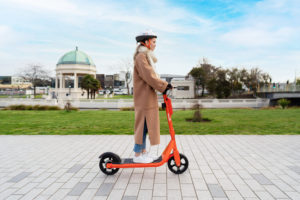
147,154
142,159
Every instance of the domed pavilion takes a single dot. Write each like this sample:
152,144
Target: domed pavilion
70,70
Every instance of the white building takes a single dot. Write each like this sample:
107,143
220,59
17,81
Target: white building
16,80
70,70
183,89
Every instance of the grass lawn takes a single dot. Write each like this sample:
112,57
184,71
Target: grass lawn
39,96
224,121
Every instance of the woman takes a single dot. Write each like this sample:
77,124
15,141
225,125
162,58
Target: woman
146,82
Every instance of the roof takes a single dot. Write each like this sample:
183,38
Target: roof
75,57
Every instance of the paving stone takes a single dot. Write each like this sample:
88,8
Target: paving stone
19,177
32,194
60,194
132,189
275,192
174,194
261,179
295,169
105,189
160,190
129,198
294,195
78,189
234,195
145,195
88,194
203,195
216,190
264,195
75,168
221,167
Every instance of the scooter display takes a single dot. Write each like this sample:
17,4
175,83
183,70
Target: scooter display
110,163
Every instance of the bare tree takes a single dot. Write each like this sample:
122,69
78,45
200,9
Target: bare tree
35,74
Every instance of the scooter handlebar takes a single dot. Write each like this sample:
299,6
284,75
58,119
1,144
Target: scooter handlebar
167,89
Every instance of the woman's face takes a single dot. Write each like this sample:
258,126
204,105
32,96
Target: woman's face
152,43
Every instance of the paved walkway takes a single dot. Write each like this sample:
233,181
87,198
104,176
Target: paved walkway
221,167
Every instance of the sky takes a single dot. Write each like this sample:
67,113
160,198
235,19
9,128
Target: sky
228,33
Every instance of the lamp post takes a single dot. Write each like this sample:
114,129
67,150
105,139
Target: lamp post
70,90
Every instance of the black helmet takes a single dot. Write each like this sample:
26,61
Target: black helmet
148,34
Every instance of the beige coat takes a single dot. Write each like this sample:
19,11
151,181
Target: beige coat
145,82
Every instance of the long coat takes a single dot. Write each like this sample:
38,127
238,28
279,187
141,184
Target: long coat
145,82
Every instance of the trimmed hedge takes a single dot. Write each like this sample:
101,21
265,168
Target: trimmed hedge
30,107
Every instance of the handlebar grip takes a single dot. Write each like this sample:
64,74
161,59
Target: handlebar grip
163,106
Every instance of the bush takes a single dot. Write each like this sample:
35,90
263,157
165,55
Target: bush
127,109
30,107
69,107
53,108
283,103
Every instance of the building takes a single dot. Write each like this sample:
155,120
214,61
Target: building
170,77
183,86
109,82
183,89
5,80
101,79
70,70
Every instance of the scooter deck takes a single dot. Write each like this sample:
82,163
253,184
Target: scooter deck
130,160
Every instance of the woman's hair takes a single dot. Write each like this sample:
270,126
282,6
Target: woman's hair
143,41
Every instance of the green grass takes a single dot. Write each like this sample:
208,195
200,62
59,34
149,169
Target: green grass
224,121
39,96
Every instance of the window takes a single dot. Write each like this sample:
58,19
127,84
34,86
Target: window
183,87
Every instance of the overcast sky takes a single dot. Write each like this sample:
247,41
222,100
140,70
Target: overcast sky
229,33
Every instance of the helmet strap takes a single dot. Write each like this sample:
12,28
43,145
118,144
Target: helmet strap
148,46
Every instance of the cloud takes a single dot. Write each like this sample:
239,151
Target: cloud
249,33
6,35
255,37
54,6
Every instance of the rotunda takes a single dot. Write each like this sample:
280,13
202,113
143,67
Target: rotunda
70,70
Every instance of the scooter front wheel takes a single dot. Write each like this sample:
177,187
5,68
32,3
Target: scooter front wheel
184,164
109,157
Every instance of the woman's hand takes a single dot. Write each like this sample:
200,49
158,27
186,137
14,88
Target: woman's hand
169,87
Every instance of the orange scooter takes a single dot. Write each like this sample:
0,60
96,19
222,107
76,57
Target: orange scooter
110,163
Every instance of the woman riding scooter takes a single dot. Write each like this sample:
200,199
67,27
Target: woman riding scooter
146,82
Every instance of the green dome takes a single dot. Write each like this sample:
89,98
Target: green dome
76,57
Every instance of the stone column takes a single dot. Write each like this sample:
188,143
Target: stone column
60,81
75,81
56,82
63,82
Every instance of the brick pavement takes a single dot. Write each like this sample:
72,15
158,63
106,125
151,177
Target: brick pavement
221,167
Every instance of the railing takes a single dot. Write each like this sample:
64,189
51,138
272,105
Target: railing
280,88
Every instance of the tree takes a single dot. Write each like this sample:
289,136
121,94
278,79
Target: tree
202,74
91,85
87,84
298,82
234,79
36,75
223,88
95,87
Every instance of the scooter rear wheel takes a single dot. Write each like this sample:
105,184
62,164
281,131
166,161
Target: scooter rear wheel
109,157
184,164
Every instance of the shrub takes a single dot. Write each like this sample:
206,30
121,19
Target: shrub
68,107
30,107
283,103
127,109
54,108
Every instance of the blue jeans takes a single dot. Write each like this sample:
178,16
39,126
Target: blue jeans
139,147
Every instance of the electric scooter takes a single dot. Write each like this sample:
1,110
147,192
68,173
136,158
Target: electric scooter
110,163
